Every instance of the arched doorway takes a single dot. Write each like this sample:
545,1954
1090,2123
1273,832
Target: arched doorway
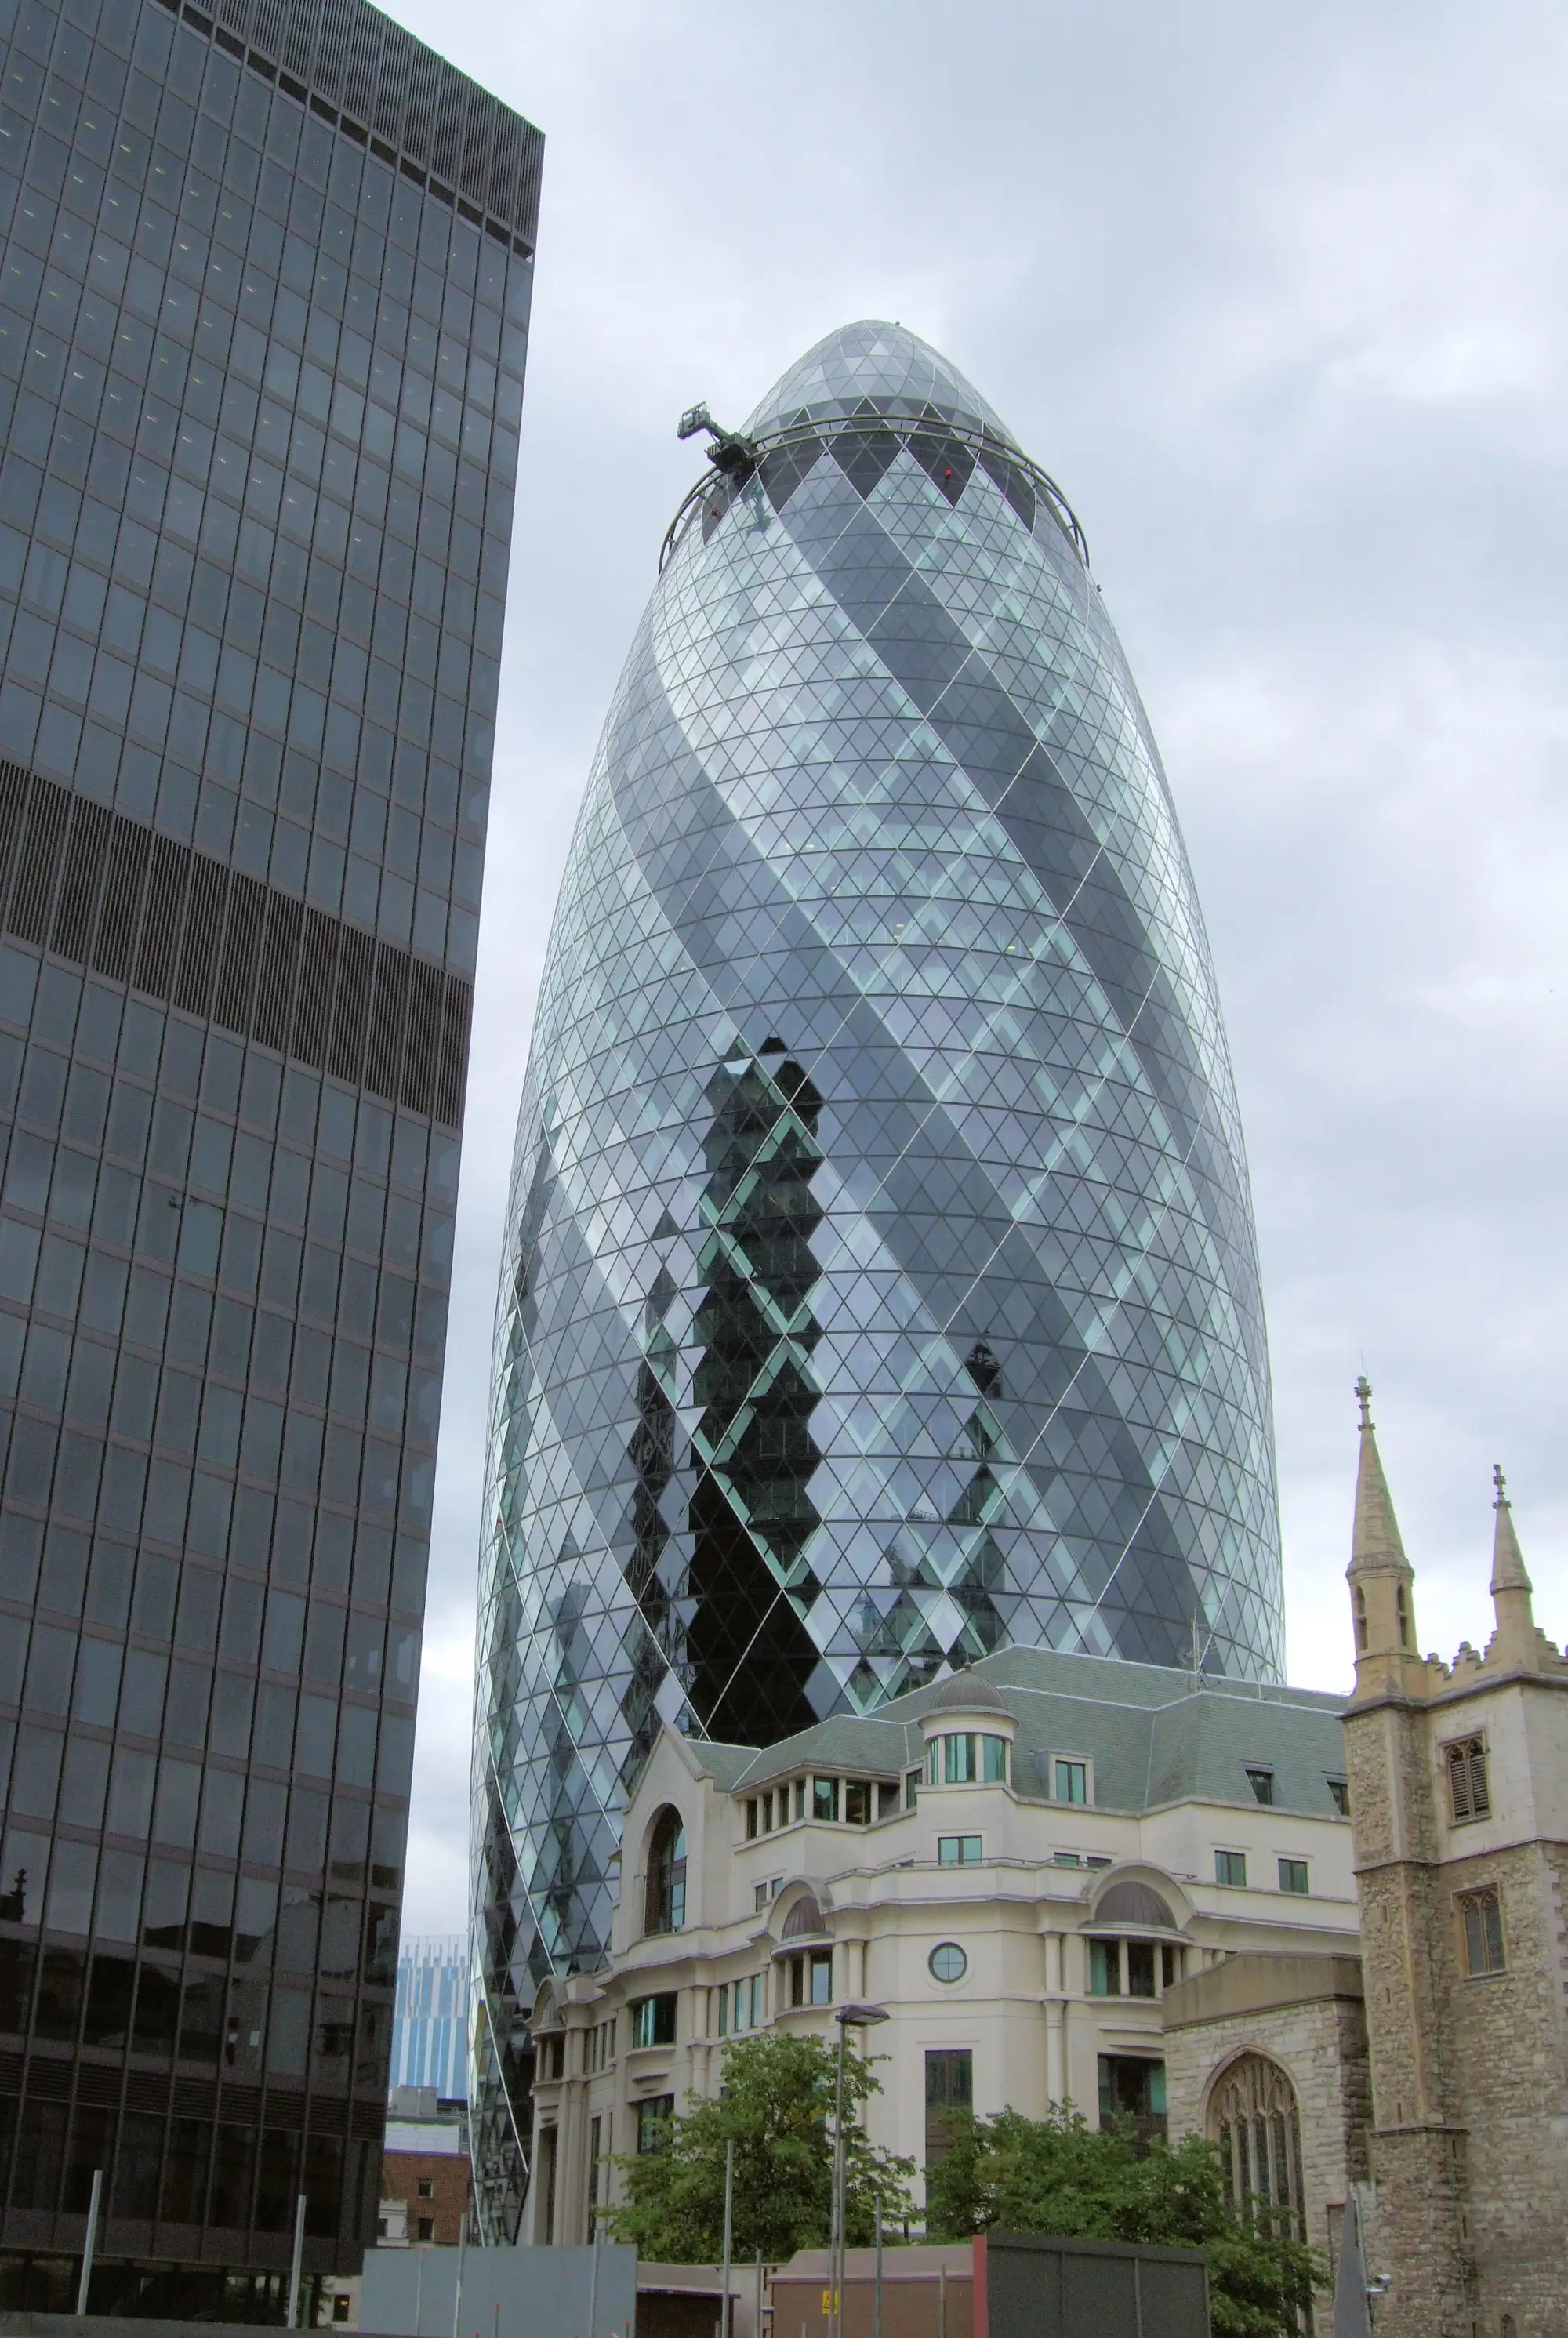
1254,2118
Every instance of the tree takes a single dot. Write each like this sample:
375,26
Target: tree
1058,2175
776,2108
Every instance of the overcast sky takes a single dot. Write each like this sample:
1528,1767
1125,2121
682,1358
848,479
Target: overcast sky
1277,296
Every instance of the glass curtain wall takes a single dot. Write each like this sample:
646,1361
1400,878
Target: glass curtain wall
263,304
880,1287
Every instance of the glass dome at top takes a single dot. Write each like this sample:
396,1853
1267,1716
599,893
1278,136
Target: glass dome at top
880,1284
880,364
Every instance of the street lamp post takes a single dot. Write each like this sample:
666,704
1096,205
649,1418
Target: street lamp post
848,2017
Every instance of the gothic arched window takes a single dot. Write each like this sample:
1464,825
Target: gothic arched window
1254,2118
666,1906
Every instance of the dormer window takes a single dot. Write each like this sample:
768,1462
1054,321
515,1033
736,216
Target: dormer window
1469,1794
1070,1780
666,1908
1261,1782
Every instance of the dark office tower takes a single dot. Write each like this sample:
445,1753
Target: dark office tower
262,322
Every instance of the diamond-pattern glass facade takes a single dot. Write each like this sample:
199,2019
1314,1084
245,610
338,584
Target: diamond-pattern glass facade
881,1286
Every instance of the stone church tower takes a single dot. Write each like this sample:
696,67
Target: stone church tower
1458,1783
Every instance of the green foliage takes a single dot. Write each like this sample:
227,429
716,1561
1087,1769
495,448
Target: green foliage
1058,2175
776,2108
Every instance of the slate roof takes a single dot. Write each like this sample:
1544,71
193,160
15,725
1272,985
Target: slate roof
1153,1735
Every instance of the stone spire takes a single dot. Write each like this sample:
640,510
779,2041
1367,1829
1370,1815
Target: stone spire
1375,1543
1382,1581
1515,1640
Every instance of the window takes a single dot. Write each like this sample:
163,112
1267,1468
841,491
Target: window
947,1962
1467,1786
602,2045
911,1788
1361,1621
666,1904
949,2097
1482,1916
742,2005
959,1851
598,2173
824,1798
550,2147
653,2021
1293,1875
552,2056
1254,2120
1262,1784
426,2187
1140,1968
653,2121
1339,1795
1131,1968
1230,1867
800,1798
764,1895
1096,1859
966,1759
751,1820
1065,1859
857,1803
1133,2086
812,1979
1071,1782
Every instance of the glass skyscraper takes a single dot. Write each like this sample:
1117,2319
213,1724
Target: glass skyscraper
881,1286
263,311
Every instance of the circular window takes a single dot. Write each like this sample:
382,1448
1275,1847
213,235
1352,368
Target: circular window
948,1962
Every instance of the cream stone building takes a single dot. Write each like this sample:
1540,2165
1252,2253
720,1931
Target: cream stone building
1027,1865
1333,1938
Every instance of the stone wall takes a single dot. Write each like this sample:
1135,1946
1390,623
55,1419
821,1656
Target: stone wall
1508,2066
1469,2152
1306,2014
